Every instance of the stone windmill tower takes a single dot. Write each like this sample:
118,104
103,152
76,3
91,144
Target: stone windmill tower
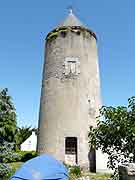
70,95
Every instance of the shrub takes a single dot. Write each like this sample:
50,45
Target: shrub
5,170
15,157
27,155
75,170
6,153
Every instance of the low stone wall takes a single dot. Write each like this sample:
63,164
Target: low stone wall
127,171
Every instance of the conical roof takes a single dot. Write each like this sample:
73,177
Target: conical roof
71,20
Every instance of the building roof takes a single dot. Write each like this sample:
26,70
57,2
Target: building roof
71,20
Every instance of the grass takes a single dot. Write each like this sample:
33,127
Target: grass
14,166
93,176
99,176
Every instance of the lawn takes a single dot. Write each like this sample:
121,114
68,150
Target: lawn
99,176
14,166
93,176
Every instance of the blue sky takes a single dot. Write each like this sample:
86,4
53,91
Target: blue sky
23,27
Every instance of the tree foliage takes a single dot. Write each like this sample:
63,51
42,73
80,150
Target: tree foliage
6,152
8,123
115,133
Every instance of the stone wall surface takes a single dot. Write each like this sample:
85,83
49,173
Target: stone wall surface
127,171
69,103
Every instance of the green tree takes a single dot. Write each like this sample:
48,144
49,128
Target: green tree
8,123
115,133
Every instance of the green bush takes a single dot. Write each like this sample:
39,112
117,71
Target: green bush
27,155
5,170
14,158
75,170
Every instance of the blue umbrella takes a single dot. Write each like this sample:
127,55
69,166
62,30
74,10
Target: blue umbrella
43,167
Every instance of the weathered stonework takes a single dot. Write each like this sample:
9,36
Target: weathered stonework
127,171
70,98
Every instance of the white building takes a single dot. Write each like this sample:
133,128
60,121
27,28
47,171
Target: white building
101,162
30,144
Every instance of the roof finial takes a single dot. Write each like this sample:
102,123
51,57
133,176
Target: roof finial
70,8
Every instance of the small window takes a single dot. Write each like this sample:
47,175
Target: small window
71,66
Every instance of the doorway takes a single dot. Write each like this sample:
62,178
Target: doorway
71,150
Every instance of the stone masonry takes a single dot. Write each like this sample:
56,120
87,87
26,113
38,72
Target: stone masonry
70,95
